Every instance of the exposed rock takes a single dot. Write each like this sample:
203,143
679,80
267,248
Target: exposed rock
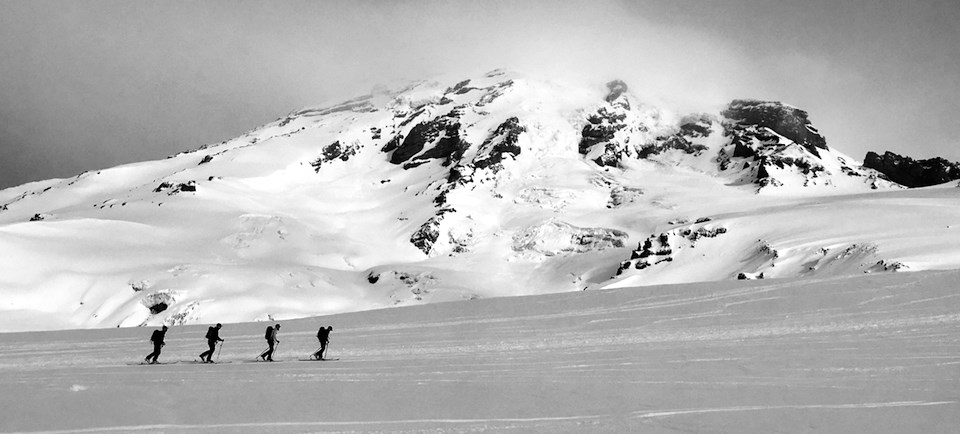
783,119
460,88
664,144
188,186
360,104
171,188
206,159
657,249
554,237
428,233
703,232
335,151
894,266
621,195
913,173
440,137
600,129
494,92
163,186
140,285
750,276
501,143
392,144
616,96
187,315
158,301
693,126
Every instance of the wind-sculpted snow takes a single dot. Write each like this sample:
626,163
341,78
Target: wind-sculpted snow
495,185
869,353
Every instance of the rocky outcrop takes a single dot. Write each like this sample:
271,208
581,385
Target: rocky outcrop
429,232
335,151
173,188
554,237
502,143
602,126
691,128
913,173
158,301
620,196
657,249
600,129
785,120
616,96
439,138
772,144
362,104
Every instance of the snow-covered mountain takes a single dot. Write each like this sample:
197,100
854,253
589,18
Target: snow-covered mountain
498,185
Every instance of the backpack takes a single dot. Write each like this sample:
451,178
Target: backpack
210,333
157,336
269,334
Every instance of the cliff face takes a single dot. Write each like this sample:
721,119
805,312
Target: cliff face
913,173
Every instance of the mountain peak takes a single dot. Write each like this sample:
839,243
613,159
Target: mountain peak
444,189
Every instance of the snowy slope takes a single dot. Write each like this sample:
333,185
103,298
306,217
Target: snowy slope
452,190
870,353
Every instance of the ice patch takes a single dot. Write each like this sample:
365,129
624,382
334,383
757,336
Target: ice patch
554,237
548,198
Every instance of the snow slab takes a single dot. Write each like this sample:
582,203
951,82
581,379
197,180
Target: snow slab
868,353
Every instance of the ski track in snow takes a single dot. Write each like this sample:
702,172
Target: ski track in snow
854,354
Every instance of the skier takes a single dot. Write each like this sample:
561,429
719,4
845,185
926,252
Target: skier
213,336
157,339
271,337
323,335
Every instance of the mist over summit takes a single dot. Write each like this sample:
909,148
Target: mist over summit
496,185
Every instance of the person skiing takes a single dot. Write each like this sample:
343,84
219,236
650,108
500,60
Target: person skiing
323,335
213,336
157,339
271,337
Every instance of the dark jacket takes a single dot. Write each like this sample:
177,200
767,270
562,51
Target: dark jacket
157,336
213,334
323,334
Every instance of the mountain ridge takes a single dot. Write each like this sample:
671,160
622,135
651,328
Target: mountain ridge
498,185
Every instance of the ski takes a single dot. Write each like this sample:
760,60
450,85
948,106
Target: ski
148,363
317,360
199,362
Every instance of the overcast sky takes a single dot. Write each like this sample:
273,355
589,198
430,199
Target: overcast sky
86,85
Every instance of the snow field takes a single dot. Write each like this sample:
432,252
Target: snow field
866,353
